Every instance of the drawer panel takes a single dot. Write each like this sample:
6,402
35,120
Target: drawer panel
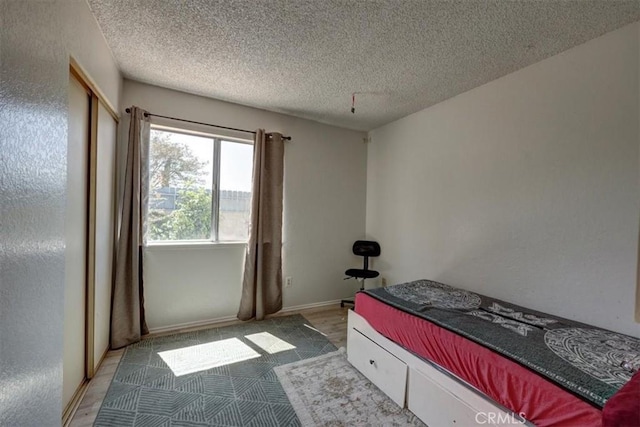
382,368
427,397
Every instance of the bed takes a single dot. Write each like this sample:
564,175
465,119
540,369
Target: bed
455,357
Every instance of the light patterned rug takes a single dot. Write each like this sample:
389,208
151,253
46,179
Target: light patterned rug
213,377
328,391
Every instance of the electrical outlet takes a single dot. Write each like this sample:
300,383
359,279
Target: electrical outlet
288,282
383,281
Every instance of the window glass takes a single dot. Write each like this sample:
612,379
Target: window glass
182,177
236,163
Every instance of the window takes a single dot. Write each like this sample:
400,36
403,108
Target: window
199,187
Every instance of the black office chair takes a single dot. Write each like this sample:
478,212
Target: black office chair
366,249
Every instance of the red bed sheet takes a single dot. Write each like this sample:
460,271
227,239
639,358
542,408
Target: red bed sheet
623,409
508,383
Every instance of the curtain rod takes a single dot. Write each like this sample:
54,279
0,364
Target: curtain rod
128,110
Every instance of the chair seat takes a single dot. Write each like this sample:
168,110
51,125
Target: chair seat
361,274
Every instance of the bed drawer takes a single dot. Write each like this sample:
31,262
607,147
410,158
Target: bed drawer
429,393
382,368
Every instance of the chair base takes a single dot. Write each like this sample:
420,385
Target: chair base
352,301
348,301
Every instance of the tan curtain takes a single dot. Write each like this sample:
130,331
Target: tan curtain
127,304
262,281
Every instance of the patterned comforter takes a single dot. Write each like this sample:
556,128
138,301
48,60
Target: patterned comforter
590,362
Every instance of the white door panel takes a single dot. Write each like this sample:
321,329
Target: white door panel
76,240
105,220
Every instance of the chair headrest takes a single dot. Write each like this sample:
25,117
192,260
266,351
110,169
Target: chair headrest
366,248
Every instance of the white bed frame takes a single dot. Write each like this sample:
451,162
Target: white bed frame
433,394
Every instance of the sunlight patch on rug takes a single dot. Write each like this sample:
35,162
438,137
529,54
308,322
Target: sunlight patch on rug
269,343
196,358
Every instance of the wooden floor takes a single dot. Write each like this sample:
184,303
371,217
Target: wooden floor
331,321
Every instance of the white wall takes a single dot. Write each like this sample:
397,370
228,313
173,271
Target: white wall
37,38
325,190
191,284
525,189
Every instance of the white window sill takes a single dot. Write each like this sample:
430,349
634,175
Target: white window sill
193,245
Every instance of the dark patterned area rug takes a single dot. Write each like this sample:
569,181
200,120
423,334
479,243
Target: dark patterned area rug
328,391
214,377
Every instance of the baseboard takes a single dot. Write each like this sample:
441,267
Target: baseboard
308,306
225,319
196,324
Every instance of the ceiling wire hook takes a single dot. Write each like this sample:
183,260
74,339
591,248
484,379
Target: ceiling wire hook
353,103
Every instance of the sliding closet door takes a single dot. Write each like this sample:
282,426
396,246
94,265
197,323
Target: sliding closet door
74,367
105,219
89,231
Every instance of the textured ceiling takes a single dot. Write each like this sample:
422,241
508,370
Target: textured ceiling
306,57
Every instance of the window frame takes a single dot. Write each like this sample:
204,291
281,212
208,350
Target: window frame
215,188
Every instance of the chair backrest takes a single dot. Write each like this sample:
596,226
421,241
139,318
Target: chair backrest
366,248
